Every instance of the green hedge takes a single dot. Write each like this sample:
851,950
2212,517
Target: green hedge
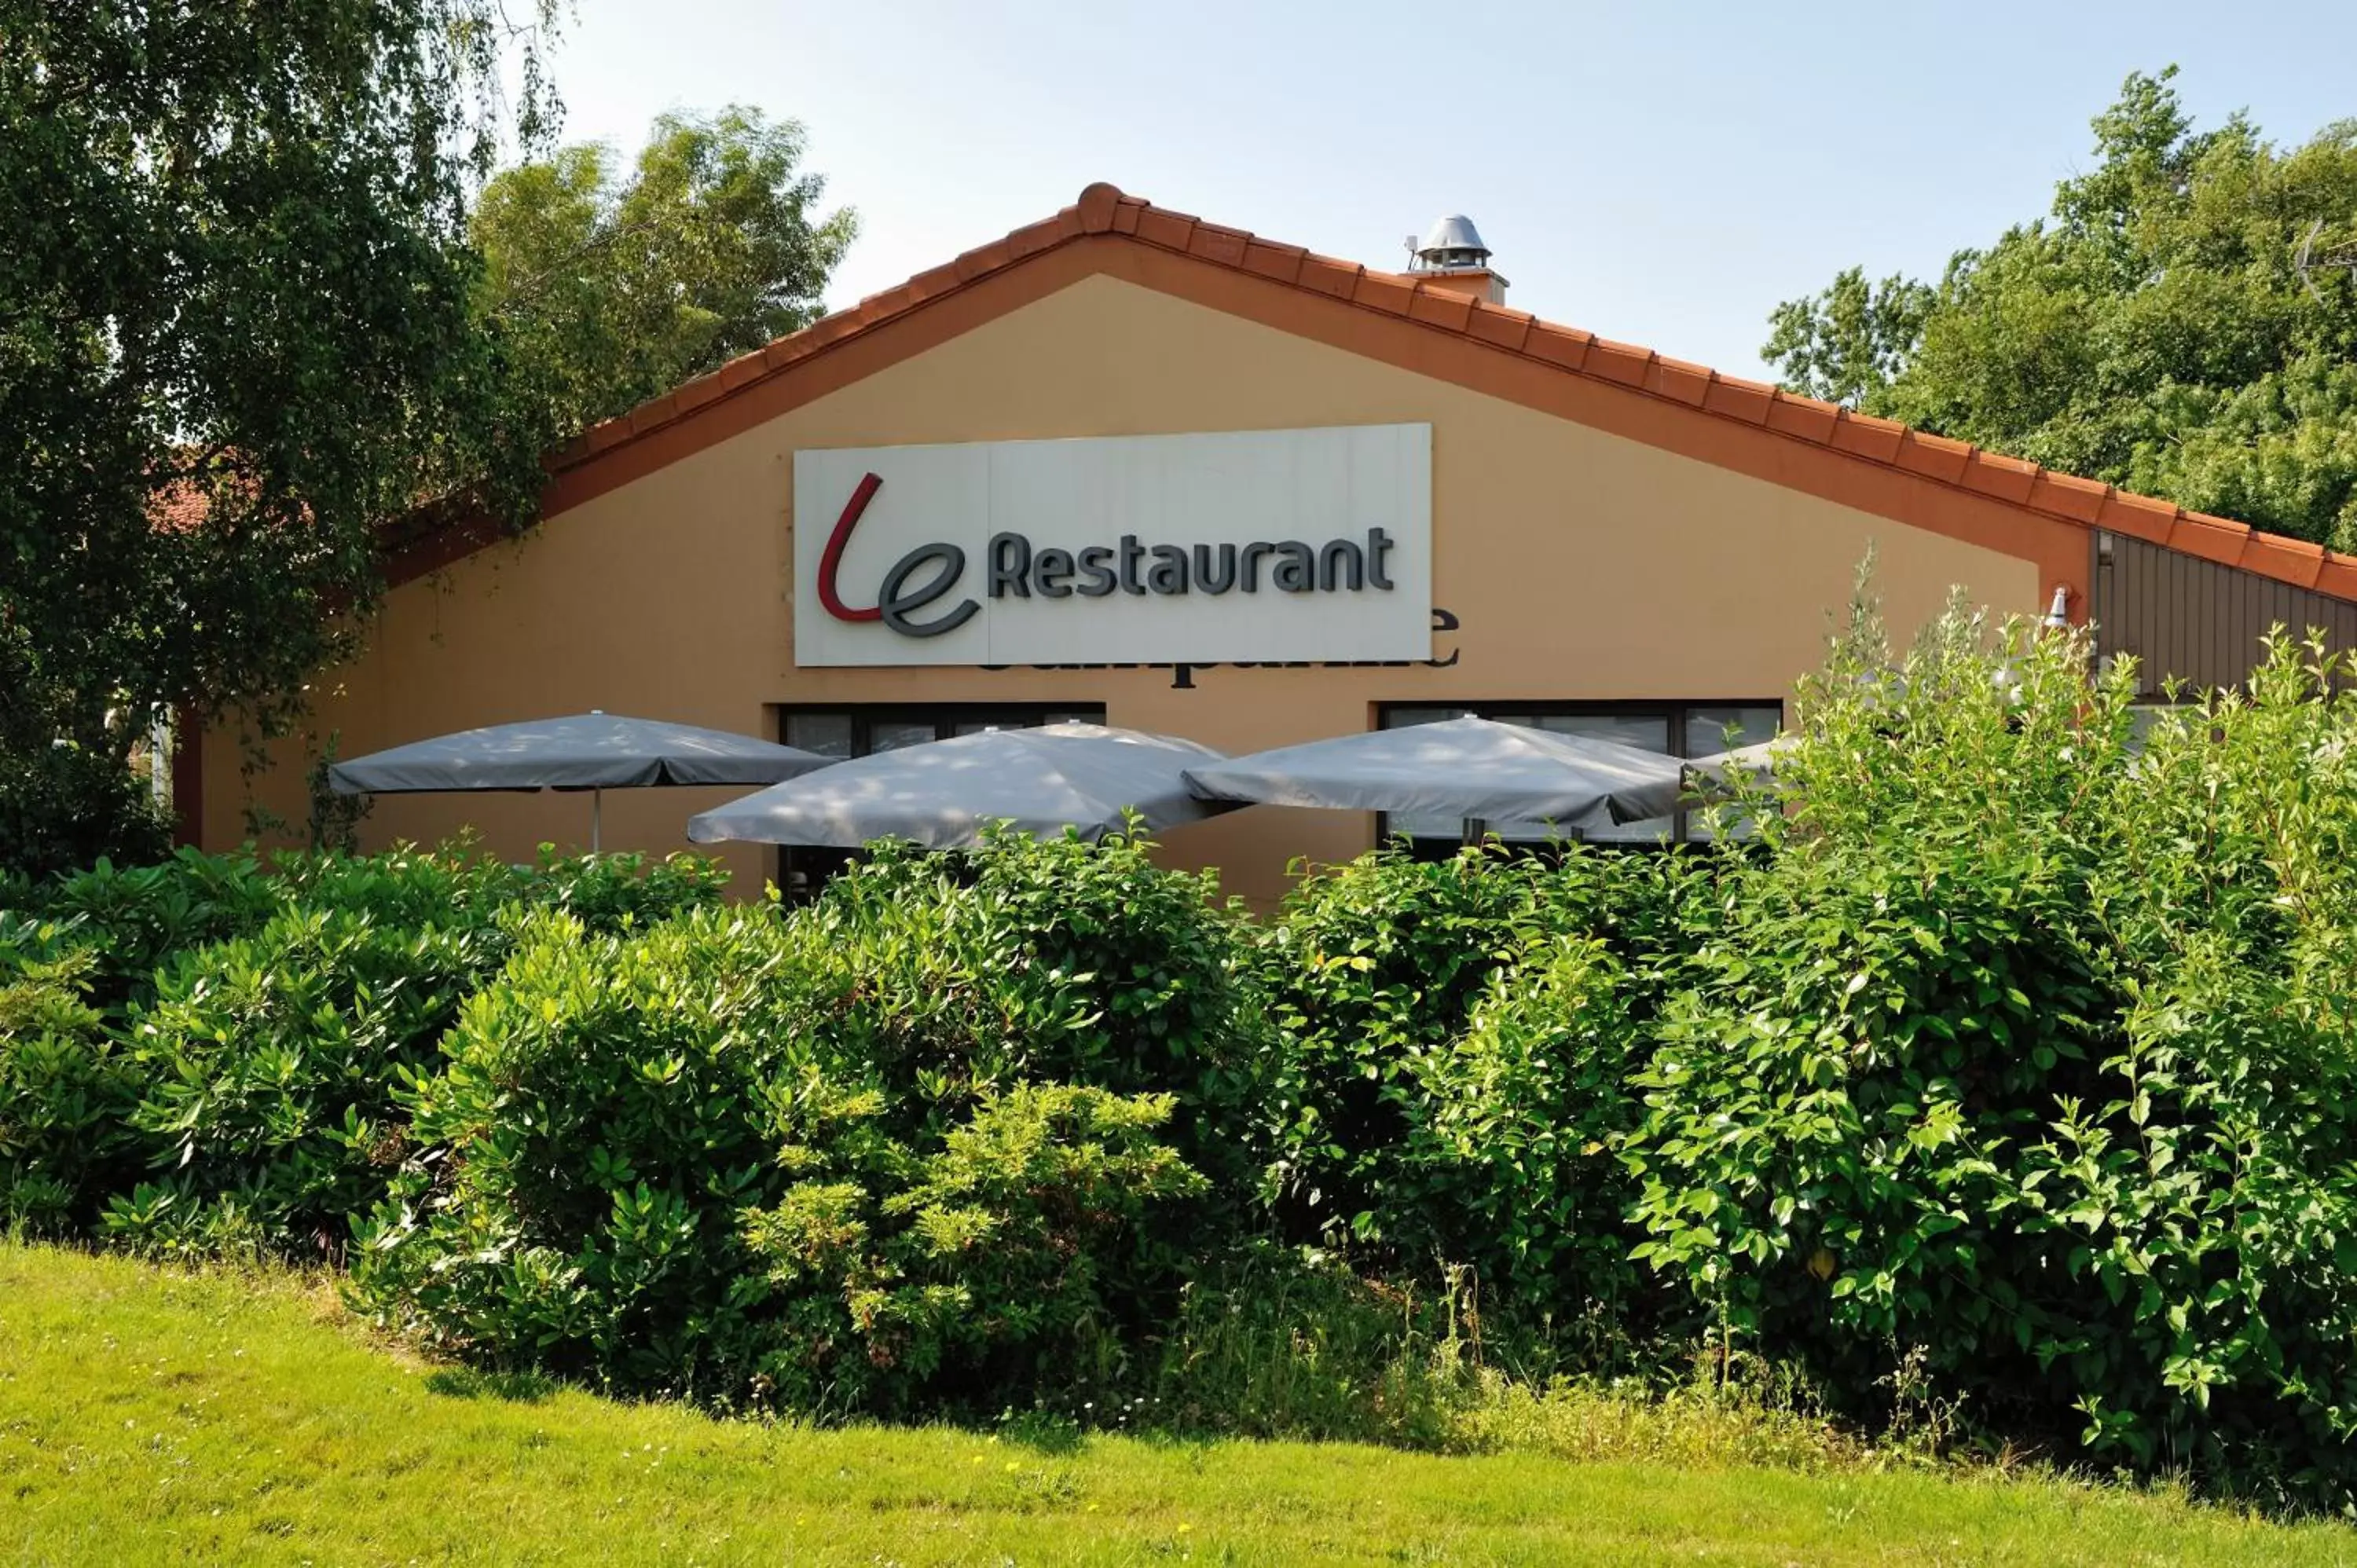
923,1145
2003,1063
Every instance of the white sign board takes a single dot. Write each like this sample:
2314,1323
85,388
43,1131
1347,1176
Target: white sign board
1253,546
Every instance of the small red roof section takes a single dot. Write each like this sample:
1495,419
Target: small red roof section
1103,210
179,507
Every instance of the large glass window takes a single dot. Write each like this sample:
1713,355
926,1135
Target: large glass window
865,730
1690,730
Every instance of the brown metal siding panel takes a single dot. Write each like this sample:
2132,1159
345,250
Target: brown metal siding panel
2199,621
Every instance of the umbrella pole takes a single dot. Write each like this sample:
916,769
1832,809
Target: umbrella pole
597,816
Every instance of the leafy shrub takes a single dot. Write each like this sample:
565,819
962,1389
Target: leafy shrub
65,1091
598,1123
270,1061
675,1162
1515,1168
2213,1182
1374,973
615,892
1054,960
2031,1052
1021,1256
134,918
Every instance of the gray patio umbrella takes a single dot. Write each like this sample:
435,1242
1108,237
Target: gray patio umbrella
1703,776
594,751
942,794
1476,770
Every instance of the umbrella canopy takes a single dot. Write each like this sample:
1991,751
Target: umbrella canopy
595,751
1707,775
941,794
585,751
1472,768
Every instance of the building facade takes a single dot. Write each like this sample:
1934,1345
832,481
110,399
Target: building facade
1084,438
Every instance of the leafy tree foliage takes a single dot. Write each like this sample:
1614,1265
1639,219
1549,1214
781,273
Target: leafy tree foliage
613,290
237,331
2156,329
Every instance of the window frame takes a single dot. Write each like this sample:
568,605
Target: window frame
946,717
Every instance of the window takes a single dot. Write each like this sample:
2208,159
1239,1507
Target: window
1674,730
867,730
863,731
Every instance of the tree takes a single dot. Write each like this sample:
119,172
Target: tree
612,292
237,332
1849,341
2158,329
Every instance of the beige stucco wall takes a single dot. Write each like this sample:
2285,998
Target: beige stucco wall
1582,566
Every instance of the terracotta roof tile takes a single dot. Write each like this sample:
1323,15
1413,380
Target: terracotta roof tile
1622,363
1500,327
2007,478
887,302
696,393
2339,575
1096,207
1935,456
2212,538
1805,418
1736,398
1168,230
1382,291
1282,263
1864,436
828,328
1103,210
1441,307
984,260
1564,346
2080,501
2289,560
1214,243
1676,378
743,367
1034,237
1323,275
179,506
648,415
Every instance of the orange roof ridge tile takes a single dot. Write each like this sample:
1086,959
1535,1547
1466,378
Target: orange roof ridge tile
1105,210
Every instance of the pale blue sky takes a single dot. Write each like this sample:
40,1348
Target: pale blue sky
1661,173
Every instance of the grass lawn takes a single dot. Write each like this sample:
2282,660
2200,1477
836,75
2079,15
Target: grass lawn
148,1417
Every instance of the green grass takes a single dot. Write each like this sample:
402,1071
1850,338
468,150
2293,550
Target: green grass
153,1416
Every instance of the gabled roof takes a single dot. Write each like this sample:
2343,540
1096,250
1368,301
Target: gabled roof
1822,433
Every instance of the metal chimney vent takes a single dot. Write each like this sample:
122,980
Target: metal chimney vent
1452,246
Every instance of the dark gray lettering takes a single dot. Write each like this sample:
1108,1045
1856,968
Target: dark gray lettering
1007,563
1168,572
1132,552
1296,568
1340,559
1250,567
1051,573
896,604
1096,570
1220,581
1379,545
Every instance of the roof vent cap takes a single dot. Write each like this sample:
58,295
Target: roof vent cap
1452,244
